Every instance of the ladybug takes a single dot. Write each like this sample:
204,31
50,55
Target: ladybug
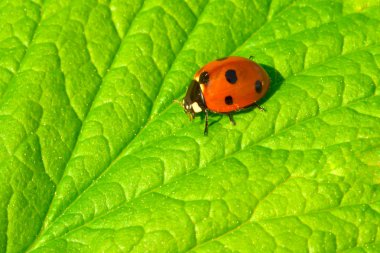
225,86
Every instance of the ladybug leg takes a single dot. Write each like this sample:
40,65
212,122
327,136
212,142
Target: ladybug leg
261,108
206,123
231,119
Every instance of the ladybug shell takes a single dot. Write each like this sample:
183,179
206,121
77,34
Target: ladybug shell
232,83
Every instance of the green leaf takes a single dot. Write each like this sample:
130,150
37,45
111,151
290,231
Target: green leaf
96,157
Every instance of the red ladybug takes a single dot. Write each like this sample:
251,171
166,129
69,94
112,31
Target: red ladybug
225,86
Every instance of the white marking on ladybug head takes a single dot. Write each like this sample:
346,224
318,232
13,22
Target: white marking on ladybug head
202,87
196,107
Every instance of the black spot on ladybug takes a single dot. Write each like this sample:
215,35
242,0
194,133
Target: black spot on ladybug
258,86
204,78
231,76
228,100
222,59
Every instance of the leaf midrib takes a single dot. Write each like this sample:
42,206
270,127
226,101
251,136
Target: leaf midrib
231,154
44,226
116,208
43,218
117,157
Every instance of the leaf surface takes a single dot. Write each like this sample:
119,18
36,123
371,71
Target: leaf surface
96,157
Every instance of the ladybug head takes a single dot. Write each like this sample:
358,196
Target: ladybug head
188,110
193,102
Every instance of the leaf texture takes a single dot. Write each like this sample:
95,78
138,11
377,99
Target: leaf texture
96,157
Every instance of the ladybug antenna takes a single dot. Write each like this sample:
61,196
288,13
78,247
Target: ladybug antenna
178,102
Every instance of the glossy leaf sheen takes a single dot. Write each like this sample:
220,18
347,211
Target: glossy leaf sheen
96,157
